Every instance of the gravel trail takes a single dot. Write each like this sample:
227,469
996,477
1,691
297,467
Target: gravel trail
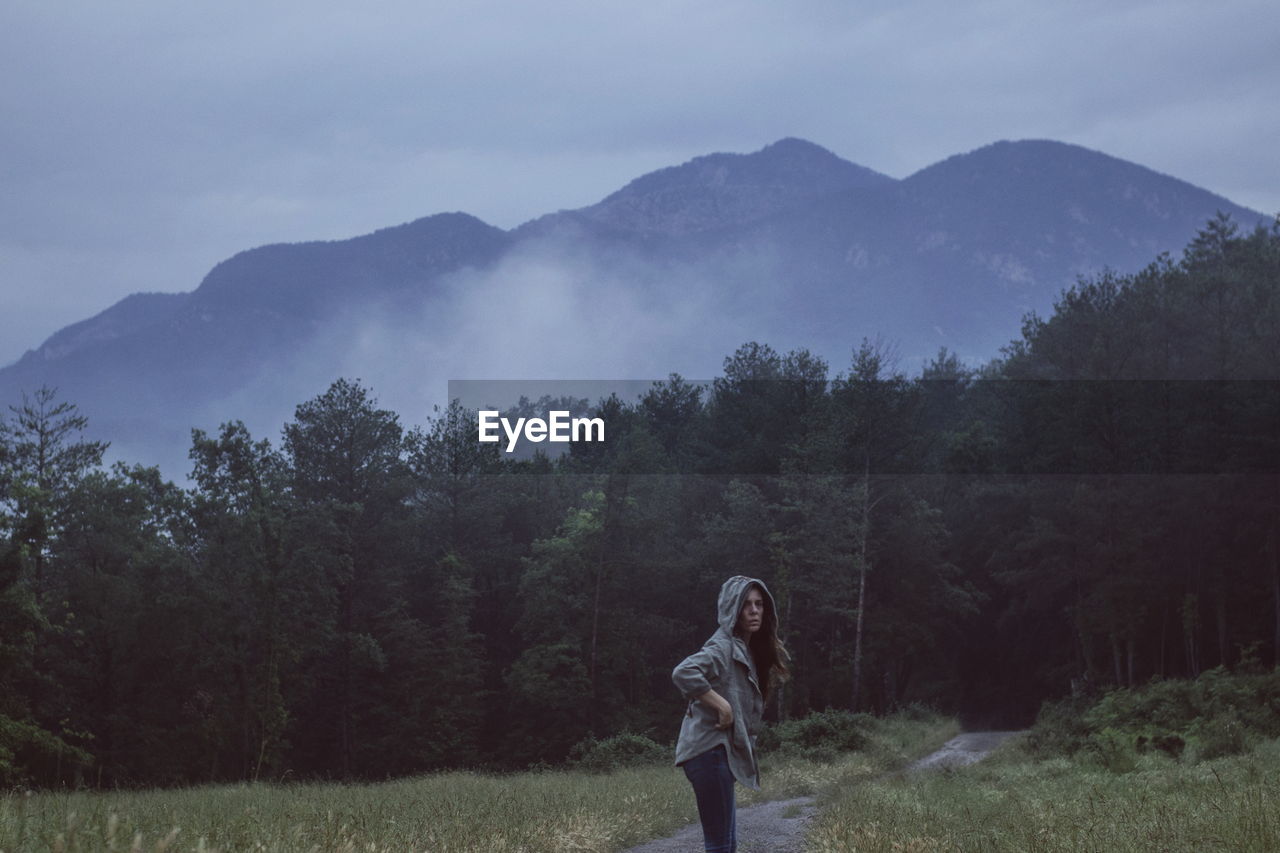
961,750
779,826
776,827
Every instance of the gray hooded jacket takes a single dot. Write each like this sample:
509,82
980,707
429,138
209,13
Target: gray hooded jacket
724,665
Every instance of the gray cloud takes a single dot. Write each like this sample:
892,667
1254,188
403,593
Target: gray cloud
142,142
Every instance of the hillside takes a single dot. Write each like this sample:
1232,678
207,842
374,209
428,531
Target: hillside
790,244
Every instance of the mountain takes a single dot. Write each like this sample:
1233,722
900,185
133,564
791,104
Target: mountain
957,253
721,190
790,245
152,366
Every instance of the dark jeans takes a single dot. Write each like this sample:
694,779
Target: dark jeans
712,782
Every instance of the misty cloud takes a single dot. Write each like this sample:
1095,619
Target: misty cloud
542,312
537,314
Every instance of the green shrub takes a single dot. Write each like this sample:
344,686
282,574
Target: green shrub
917,712
822,735
1114,750
1059,729
1171,745
1221,735
613,753
769,739
1218,714
24,746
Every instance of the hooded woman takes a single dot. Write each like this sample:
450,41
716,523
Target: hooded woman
726,684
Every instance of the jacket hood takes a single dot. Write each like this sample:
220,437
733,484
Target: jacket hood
732,592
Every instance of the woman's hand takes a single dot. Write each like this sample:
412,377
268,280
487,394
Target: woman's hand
724,711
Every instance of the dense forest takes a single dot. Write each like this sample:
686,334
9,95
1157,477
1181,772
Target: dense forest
1099,506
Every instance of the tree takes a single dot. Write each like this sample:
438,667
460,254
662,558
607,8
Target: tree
349,477
871,407
241,514
760,407
554,676
28,749
126,650
671,409
45,455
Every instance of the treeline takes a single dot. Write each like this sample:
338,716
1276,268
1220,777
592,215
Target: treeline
1099,506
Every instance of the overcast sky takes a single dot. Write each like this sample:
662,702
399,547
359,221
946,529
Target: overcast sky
143,141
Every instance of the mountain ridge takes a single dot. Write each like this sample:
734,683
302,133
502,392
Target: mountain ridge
790,244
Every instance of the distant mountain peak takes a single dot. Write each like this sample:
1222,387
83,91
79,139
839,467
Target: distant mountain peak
1039,156
794,146
1016,177
720,190
790,162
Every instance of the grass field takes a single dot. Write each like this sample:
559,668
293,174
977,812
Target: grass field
545,811
1011,802
1014,803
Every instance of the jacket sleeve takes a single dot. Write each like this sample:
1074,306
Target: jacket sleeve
695,675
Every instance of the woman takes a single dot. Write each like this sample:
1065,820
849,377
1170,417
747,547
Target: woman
726,684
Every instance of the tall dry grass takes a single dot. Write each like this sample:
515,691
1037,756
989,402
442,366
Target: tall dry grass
552,811
442,812
1015,803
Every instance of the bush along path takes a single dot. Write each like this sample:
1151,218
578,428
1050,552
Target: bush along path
805,763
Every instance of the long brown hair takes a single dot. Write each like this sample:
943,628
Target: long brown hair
767,651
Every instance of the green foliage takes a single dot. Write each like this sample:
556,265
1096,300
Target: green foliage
1060,728
28,751
1113,749
1222,734
613,753
824,734
1215,715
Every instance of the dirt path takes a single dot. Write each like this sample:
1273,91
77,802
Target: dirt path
961,750
779,827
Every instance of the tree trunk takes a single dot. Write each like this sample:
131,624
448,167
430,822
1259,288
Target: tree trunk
1083,640
782,576
246,720
1224,649
1164,636
595,604
595,634
864,530
1131,653
1275,574
890,690
346,673
1115,659
784,709
1190,621
1275,594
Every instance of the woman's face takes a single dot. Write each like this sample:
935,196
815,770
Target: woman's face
751,616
